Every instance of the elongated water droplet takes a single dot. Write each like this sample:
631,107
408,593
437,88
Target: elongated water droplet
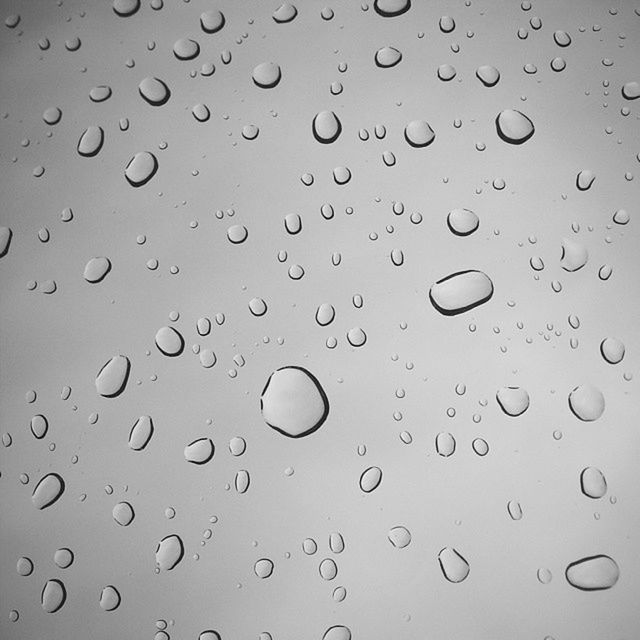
445,444
154,91
594,573
141,433
336,542
293,402
24,566
370,479
514,509
112,378
39,426
53,596
169,341
325,314
326,127
141,168
593,483
293,223
460,292
242,481
199,451
169,552
48,491
91,141
96,269
454,567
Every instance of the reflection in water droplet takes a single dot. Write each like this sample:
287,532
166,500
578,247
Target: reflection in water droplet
593,482
370,479
399,537
586,402
460,292
594,573
454,567
514,401
47,491
169,552
293,402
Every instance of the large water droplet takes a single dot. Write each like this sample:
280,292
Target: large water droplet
39,426
326,127
154,91
462,222
286,12
328,569
336,542
513,126
141,433
199,451
125,8
390,9
141,168
91,141
454,567
212,21
418,133
123,514
387,57
585,179
109,598
169,552
169,341
242,481
631,90
514,401
586,402
53,596
488,75
574,255
96,269
399,537
263,568
186,49
445,444
612,350
267,75
112,378
293,402
460,292
593,482
47,491
325,314
594,573
370,479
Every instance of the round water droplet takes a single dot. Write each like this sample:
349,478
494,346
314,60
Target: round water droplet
47,491
593,483
325,314
309,546
125,8
109,598
447,24
399,537
250,132
337,632
199,451
460,292
293,223
446,72
63,558
141,433
96,269
237,234
326,127
154,91
141,168
169,341
418,133
91,141
370,479
462,222
488,75
612,350
123,514
293,402
209,635
513,126
267,75
514,401
454,567
257,306
186,49
207,358
100,93
237,446
341,175
169,552
328,569
586,403
24,566
52,116
631,90
212,21
480,446
387,57
621,216
594,573
53,596
562,38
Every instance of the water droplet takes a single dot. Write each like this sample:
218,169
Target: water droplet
242,481
594,573
586,403
338,632
445,444
47,491
286,12
63,558
621,216
356,337
480,446
514,401
169,552
141,433
125,8
100,93
454,567
387,57
370,479
186,49
399,537
53,596
336,542
388,9
52,116
91,141
418,133
212,21
446,72
24,566
562,38
328,569
462,222
631,90
513,126
199,451
169,341
447,24
585,179
237,234
488,75
514,509
593,482
267,75
96,269
293,402
326,127
123,514
612,350
460,292
309,546
141,168
109,598
154,91
39,426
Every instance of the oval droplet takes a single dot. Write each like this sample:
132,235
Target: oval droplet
594,573
514,509
445,444
109,598
154,91
460,292
286,12
574,255
237,234
47,491
141,168
337,632
53,596
586,403
199,451
91,141
169,552
370,479
356,337
96,269
593,483
328,569
454,567
242,481
336,542
488,75
462,222
141,433
39,426
387,57
514,127
267,75
326,127
612,350
169,341
186,49
388,9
